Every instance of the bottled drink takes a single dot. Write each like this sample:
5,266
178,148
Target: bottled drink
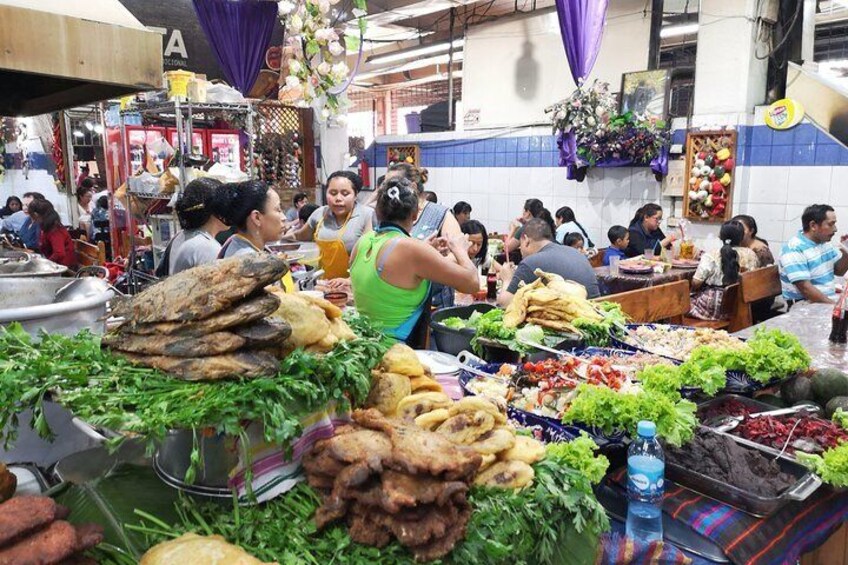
645,484
491,286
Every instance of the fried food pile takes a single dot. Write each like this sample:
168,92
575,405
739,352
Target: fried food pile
8,483
399,375
316,324
192,549
33,530
206,323
402,387
551,302
392,479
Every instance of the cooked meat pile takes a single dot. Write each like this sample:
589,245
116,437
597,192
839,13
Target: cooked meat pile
402,387
8,483
33,530
207,323
391,479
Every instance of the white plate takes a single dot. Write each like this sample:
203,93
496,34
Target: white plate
439,363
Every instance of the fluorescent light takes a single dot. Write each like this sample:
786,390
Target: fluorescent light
98,129
78,133
437,60
89,126
674,31
415,52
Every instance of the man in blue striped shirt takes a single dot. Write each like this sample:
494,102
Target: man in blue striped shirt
809,261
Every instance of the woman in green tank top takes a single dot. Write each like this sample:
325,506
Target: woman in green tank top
391,272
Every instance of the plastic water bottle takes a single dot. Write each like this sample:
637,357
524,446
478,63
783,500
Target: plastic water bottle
645,484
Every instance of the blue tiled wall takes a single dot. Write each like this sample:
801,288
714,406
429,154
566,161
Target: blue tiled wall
804,145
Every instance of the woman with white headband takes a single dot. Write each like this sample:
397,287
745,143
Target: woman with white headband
391,271
719,269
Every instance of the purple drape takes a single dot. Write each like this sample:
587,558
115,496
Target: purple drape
239,32
581,24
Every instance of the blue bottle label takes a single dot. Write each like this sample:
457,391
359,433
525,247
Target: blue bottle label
646,479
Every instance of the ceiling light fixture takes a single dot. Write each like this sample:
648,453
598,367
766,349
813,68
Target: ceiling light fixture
78,133
415,52
98,129
89,126
437,60
675,31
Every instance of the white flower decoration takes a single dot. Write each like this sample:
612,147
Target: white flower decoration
336,48
284,8
296,24
295,66
324,68
292,81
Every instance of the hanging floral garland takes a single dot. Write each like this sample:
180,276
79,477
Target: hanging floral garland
591,133
317,72
2,147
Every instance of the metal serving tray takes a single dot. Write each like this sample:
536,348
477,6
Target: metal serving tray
759,506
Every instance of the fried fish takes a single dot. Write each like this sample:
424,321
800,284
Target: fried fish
244,364
203,291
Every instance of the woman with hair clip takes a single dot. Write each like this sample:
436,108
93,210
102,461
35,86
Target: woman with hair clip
645,232
432,219
199,211
337,227
391,271
254,210
719,269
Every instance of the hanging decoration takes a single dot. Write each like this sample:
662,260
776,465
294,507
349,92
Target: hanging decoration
2,148
581,25
591,134
239,32
317,74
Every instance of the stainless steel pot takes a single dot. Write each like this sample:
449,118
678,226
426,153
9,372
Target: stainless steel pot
218,456
29,300
15,264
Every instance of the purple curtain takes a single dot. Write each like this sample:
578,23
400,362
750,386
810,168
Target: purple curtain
581,24
239,32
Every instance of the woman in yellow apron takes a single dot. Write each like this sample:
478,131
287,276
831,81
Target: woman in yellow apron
337,227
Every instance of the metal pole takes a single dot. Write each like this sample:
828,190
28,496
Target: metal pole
450,70
808,35
250,157
68,158
181,139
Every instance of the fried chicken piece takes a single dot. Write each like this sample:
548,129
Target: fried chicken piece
362,445
419,451
24,514
54,543
402,489
319,462
363,529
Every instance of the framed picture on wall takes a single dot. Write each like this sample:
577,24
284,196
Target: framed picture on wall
645,93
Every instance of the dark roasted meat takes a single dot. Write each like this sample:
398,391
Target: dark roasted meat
24,514
216,343
245,364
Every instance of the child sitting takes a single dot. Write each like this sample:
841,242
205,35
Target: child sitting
719,269
576,241
619,237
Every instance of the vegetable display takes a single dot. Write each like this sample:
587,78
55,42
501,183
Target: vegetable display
555,520
105,390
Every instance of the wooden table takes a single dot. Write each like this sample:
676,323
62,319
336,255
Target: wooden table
811,323
623,282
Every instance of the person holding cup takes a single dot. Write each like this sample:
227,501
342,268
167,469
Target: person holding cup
645,232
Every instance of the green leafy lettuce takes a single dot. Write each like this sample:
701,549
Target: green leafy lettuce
612,410
831,466
597,333
840,417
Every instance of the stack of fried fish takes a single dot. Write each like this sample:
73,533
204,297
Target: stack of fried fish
207,323
550,302
33,530
391,479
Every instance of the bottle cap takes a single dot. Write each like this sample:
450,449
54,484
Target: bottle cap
646,428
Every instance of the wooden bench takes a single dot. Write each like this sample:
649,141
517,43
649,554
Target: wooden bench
88,254
753,286
662,302
598,260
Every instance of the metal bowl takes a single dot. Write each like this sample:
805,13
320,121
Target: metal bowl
218,456
29,300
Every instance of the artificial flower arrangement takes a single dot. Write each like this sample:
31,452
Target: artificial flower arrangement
317,72
604,137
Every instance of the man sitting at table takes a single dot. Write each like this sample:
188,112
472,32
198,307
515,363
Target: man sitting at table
808,261
539,252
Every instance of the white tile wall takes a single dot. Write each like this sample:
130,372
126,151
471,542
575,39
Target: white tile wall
775,196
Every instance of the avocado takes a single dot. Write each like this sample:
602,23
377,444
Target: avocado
796,389
827,384
772,399
834,403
